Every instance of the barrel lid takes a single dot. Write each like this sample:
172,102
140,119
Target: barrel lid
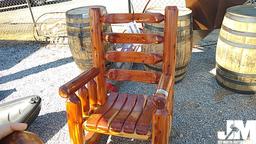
182,11
81,12
244,11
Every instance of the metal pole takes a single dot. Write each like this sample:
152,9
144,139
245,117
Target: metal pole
129,6
32,16
29,7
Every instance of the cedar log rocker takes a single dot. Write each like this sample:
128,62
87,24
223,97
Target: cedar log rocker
91,111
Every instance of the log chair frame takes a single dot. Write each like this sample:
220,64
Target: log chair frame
87,92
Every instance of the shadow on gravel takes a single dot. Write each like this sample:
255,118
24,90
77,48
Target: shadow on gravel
6,93
12,52
35,70
46,126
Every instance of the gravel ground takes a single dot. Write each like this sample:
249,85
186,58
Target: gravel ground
201,105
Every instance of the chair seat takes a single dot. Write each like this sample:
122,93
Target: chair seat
125,115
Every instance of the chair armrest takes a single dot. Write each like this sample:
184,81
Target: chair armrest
164,88
78,82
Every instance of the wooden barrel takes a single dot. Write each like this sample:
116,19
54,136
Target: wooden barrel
79,39
184,42
236,50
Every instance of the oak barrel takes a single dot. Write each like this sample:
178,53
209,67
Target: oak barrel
236,50
79,39
184,41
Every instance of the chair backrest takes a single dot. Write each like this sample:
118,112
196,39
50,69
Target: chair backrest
99,55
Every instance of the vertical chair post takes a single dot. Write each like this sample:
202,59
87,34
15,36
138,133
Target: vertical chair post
92,89
75,119
98,53
84,98
162,118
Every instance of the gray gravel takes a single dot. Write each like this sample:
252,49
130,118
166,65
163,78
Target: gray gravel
201,105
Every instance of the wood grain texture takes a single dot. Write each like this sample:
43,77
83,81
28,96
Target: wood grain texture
170,38
105,121
79,39
133,38
98,53
92,90
120,134
138,17
78,82
93,120
130,123
123,114
75,119
166,83
161,118
144,122
184,42
127,114
236,50
133,75
118,122
136,57
161,127
84,98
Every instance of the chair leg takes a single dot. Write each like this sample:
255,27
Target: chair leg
92,138
75,119
161,129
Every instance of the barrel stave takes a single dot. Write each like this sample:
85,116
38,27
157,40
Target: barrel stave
78,29
184,44
236,51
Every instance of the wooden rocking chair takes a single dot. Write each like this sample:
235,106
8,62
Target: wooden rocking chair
91,111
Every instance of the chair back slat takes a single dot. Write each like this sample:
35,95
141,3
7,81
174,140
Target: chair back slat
137,17
136,57
99,56
133,75
133,38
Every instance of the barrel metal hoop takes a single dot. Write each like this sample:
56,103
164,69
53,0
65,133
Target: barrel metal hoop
158,69
162,91
238,45
78,25
234,81
232,89
80,16
179,39
79,35
184,17
241,18
160,29
183,73
239,33
234,73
